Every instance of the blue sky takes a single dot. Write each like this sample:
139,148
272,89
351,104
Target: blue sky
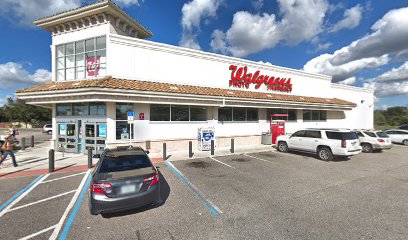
360,43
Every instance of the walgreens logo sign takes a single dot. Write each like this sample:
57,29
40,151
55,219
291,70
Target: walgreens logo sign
240,78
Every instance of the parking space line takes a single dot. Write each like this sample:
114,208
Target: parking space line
42,200
80,189
222,163
21,194
207,203
38,233
56,179
260,159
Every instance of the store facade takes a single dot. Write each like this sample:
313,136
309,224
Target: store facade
103,68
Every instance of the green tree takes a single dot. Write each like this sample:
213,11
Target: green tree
17,110
379,118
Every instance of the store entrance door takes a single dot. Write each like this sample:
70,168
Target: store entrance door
67,137
95,137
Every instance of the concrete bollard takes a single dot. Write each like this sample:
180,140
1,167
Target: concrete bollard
51,160
32,141
22,143
232,146
212,147
90,157
190,149
164,152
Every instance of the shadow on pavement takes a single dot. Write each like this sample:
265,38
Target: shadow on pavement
164,194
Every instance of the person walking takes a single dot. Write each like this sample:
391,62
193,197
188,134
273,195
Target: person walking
8,147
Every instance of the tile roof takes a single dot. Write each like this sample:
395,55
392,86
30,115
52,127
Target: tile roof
113,83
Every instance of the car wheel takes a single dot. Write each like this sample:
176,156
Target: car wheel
367,148
325,154
405,142
282,147
49,132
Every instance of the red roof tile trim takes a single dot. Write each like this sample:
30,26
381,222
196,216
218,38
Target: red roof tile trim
114,83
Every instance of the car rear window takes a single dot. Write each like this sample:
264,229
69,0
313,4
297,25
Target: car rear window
341,135
382,134
371,134
124,163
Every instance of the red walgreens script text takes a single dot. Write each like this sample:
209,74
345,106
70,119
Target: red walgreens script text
240,78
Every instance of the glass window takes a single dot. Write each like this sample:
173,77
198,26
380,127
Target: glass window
60,75
382,135
64,109
313,134
79,47
101,55
80,73
371,134
90,45
90,130
60,63
70,130
80,109
307,115
198,113
315,115
341,135
159,112
239,114
60,50
300,133
69,61
70,74
323,115
360,134
100,43
79,60
122,109
97,109
179,113
292,114
225,114
252,114
69,48
123,130
114,163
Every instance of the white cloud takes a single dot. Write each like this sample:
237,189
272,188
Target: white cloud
390,35
257,4
302,20
349,81
351,19
218,41
389,89
395,74
127,3
13,74
192,14
323,46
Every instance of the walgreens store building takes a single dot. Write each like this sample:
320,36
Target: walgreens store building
103,67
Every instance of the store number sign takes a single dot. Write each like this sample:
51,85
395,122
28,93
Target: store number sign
241,78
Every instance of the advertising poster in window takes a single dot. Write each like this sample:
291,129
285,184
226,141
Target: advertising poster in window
102,130
93,66
63,129
205,135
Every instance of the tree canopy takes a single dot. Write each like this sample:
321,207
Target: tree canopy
18,111
393,116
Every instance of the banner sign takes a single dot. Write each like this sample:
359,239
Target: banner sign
93,65
205,135
240,78
102,130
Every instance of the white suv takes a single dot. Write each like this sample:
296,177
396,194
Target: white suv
373,140
325,143
47,129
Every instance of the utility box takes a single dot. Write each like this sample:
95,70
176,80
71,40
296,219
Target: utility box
266,138
277,126
204,137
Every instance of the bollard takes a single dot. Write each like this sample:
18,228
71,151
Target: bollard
232,146
22,143
148,145
164,152
32,141
212,147
190,149
51,160
89,157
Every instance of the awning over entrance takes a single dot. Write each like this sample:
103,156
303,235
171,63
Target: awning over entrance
109,89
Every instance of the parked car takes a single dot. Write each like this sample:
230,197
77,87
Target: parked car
373,140
398,136
123,179
47,129
325,143
404,127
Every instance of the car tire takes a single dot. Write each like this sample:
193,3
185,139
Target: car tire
49,132
93,212
282,147
405,142
367,148
325,154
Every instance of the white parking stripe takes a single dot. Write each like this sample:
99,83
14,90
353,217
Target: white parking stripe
258,158
222,162
42,200
56,179
38,233
6,209
57,229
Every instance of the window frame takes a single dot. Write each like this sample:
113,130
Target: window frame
240,121
170,113
312,112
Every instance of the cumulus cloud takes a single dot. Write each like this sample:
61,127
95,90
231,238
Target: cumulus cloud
192,14
302,20
348,81
351,19
395,74
257,4
13,74
24,12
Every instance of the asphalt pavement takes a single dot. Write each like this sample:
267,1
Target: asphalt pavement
262,195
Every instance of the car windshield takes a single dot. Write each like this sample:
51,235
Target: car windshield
124,163
341,135
371,134
382,134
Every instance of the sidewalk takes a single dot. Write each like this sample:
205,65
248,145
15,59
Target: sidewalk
34,161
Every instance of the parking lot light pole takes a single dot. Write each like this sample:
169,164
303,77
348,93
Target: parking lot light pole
90,157
51,160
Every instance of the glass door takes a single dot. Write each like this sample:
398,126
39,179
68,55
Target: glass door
95,137
67,137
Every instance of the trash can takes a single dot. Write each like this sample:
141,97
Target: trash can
266,138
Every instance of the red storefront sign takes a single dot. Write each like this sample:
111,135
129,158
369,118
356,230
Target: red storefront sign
240,78
93,66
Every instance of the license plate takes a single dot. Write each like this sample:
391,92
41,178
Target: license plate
128,189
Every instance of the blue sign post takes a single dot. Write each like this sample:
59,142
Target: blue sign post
131,118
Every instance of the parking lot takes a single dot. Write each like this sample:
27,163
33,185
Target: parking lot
264,195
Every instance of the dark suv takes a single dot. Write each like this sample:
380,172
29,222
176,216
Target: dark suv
124,178
405,127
